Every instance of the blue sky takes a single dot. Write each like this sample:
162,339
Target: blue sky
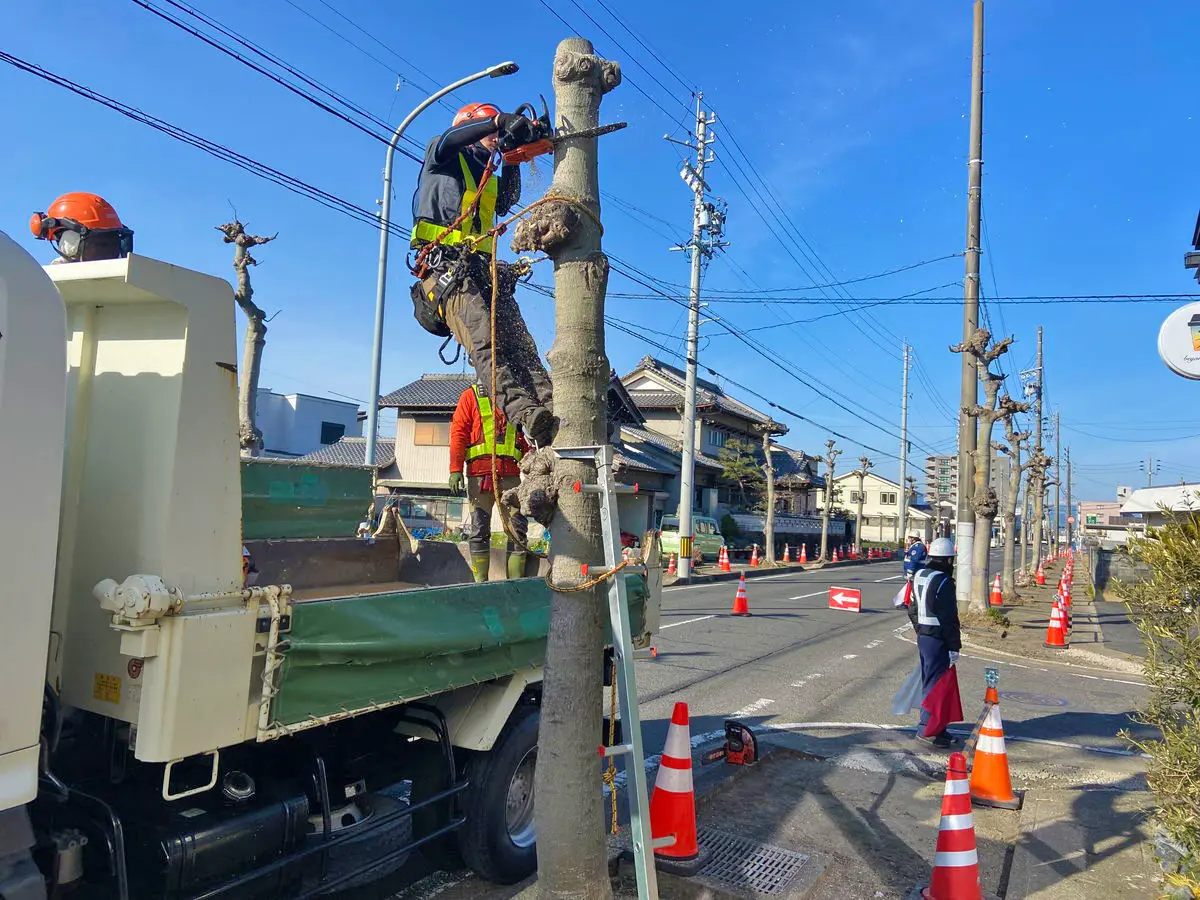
856,120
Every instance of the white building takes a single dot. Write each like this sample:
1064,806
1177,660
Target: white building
881,508
295,424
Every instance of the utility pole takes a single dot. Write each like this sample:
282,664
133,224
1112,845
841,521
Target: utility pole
902,536
1069,529
1038,479
1149,467
705,218
1057,476
965,528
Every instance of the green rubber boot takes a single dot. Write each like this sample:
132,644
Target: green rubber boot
480,563
516,564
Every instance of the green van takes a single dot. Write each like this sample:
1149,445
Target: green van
707,538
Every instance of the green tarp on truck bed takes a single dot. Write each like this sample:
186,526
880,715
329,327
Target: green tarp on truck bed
348,653
288,499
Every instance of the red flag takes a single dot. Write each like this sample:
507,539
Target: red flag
943,703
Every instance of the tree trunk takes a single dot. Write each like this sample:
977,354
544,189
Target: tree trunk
769,516
1008,569
858,526
1026,524
984,500
249,435
572,861
1038,478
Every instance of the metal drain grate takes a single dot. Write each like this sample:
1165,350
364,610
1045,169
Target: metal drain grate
748,865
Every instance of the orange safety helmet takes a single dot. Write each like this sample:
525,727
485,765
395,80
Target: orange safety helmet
475,111
83,226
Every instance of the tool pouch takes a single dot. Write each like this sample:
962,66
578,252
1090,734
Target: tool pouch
427,310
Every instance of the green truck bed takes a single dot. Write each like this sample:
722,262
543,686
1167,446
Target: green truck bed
351,653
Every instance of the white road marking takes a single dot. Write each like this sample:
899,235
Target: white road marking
708,584
806,679
758,705
889,578
686,622
873,644
850,656
806,596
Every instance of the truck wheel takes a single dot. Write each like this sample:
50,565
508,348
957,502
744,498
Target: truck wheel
498,841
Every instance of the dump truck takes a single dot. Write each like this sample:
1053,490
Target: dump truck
168,730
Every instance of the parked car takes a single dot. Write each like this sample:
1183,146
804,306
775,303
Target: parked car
707,539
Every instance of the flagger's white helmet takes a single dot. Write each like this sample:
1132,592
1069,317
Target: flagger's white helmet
942,546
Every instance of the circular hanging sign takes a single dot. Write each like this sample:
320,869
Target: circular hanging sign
1179,341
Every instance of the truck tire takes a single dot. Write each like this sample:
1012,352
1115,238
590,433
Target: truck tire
498,841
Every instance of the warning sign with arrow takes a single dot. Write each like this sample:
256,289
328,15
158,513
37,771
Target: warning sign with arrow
845,598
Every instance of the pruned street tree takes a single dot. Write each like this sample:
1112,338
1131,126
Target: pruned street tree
1015,447
1035,487
769,430
864,465
995,407
572,862
249,436
831,456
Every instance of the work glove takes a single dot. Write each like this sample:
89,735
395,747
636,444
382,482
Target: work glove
456,482
515,130
953,657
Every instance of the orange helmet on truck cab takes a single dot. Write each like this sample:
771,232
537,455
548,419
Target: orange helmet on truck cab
82,227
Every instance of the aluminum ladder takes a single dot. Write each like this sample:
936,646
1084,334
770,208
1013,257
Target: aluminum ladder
624,655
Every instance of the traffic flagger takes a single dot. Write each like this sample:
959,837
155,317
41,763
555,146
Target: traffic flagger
754,557
997,597
956,860
1055,633
804,553
673,803
673,565
991,784
1041,574
740,606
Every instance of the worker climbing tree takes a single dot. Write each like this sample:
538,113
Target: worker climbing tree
454,215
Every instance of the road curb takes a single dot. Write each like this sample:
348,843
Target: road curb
778,569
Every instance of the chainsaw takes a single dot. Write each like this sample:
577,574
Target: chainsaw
545,138
741,747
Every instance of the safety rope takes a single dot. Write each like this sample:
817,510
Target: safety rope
590,583
610,774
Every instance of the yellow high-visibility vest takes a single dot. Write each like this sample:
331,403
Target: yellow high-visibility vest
466,230
488,446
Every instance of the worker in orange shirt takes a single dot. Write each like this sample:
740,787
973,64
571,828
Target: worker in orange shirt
473,443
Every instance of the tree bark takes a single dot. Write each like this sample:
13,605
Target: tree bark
863,465
572,862
250,438
1016,443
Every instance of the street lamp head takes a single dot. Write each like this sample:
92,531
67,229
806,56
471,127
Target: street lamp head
504,68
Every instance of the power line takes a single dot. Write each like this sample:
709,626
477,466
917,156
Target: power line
655,55
1018,300
246,163
848,281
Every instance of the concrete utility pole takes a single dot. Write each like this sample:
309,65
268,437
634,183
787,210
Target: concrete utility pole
702,221
1039,475
1057,477
1069,528
902,535
1150,469
831,456
965,529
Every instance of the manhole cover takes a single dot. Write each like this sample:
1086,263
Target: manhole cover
741,864
1033,699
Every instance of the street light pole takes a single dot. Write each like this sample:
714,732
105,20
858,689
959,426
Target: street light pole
385,223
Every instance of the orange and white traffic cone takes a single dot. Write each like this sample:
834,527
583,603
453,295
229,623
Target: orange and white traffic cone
804,553
754,557
1055,631
723,559
740,606
673,565
1041,575
673,803
991,784
835,556
787,553
996,598
956,860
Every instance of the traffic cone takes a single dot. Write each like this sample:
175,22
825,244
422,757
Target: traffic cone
996,598
754,557
673,565
723,559
991,784
1055,635
956,861
804,553
1041,574
740,606
835,556
673,803
787,553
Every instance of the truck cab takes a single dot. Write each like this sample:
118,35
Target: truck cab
170,731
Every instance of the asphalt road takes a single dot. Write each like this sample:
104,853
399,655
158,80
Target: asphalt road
797,661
